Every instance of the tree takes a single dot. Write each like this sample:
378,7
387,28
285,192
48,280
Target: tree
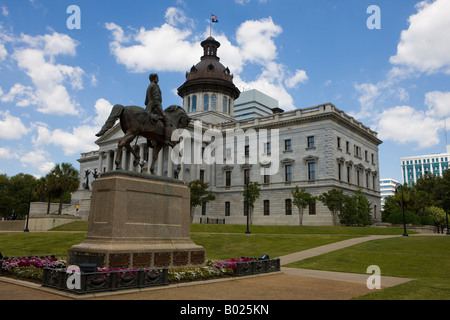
199,195
438,216
356,210
253,192
334,200
63,178
302,199
21,186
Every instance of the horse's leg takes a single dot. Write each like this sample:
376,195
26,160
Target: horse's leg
134,151
118,157
125,142
155,157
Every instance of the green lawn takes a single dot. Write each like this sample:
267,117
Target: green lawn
424,258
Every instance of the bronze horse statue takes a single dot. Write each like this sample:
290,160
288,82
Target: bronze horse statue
135,122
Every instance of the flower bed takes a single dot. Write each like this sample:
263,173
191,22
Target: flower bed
30,267
52,273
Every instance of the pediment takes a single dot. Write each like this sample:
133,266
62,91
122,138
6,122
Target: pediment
113,135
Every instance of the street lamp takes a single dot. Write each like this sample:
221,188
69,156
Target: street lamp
405,234
247,207
29,205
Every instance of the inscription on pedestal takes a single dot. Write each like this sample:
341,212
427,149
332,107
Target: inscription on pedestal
142,259
197,257
180,258
162,259
119,260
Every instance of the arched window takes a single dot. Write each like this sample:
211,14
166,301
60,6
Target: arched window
206,102
189,105
213,102
194,103
225,104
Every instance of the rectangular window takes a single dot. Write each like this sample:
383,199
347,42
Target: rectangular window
312,209
311,142
204,209
339,142
340,171
247,151
202,175
288,173
348,174
266,207
228,178
266,175
246,176
267,148
227,209
311,171
347,146
287,145
288,207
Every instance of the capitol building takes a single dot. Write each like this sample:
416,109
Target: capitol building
318,149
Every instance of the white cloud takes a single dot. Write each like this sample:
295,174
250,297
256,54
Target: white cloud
244,2
6,153
3,52
299,77
36,55
425,45
175,16
438,103
23,95
255,40
404,124
11,128
78,139
4,10
160,42
38,159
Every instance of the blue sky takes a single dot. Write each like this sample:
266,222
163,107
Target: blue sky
57,85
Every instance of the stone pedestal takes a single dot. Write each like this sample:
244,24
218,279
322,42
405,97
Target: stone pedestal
138,220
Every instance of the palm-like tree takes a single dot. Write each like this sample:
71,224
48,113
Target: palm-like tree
63,178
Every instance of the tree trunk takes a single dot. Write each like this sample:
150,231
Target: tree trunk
61,197
300,216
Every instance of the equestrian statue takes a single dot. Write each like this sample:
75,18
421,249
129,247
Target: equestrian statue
151,123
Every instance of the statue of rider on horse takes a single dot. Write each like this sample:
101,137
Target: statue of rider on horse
152,123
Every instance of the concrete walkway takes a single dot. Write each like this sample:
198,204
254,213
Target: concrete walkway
289,284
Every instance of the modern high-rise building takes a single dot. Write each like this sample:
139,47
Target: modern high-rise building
387,189
253,104
415,167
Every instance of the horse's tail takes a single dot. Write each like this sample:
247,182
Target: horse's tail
116,112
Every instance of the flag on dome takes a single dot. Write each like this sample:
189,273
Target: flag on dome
214,19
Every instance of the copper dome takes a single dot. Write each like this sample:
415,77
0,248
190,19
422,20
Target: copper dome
209,74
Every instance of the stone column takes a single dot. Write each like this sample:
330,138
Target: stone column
108,161
160,162
150,159
124,158
170,165
100,162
